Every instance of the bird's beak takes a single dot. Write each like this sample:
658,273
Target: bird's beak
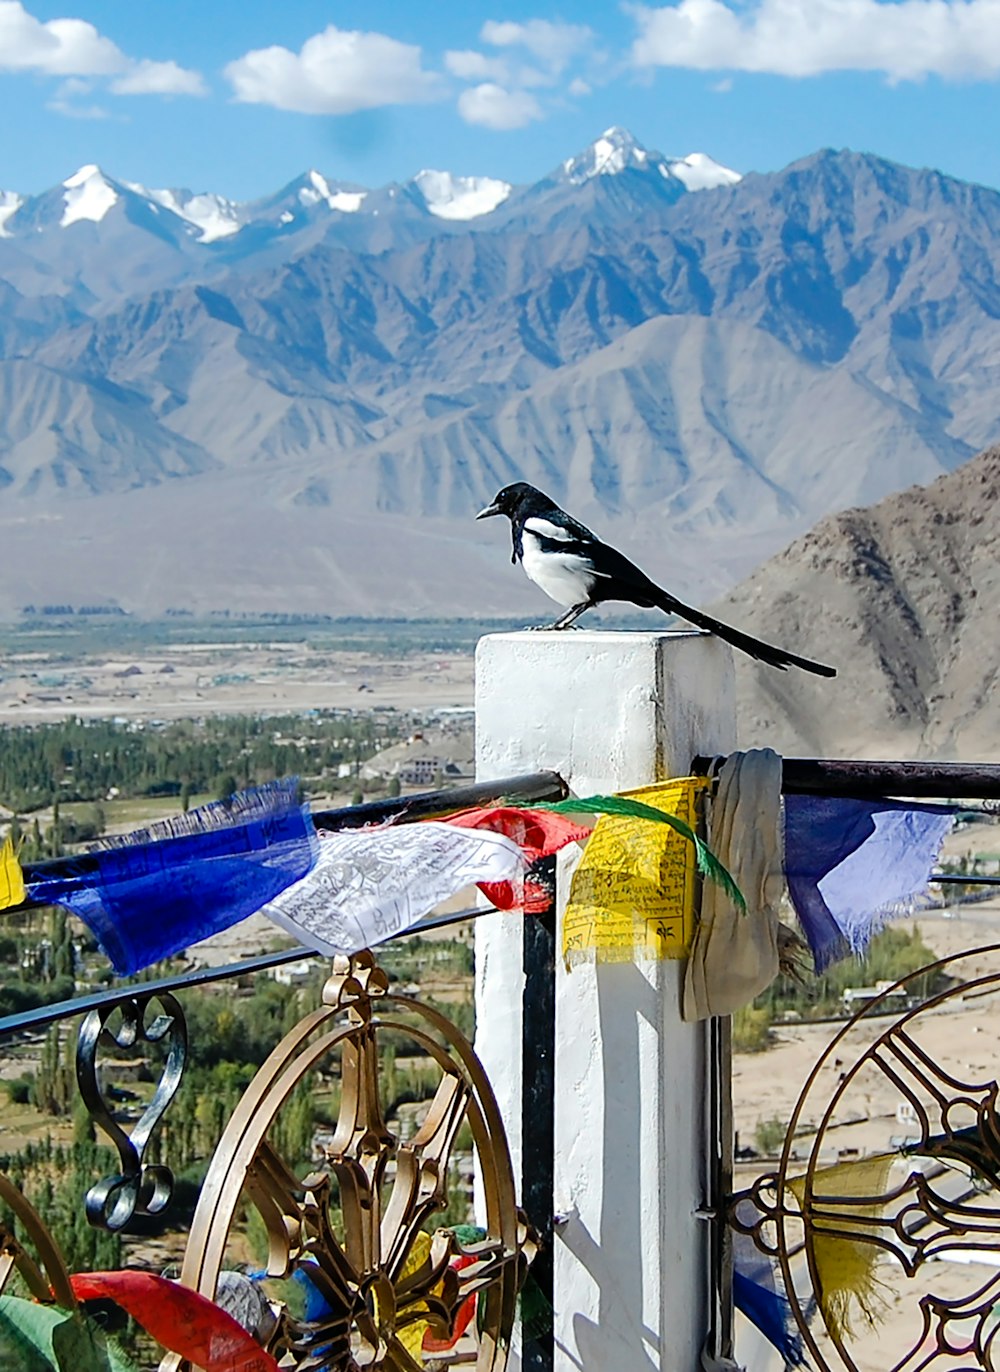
490,510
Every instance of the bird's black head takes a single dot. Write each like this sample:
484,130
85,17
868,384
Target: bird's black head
520,499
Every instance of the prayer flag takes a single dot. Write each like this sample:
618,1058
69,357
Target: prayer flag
633,893
180,1319
47,1338
844,1254
369,885
154,892
538,834
757,1293
11,876
851,864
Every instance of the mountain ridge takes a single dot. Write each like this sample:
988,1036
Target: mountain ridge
708,371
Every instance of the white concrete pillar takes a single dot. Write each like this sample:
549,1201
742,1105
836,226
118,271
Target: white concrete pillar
608,711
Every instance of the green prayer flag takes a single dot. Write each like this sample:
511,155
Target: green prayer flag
47,1338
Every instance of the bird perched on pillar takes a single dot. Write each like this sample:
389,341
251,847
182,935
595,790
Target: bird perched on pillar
575,569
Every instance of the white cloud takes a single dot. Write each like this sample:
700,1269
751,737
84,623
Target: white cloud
906,40
494,107
158,78
75,49
71,111
476,66
337,71
62,47
548,42
535,56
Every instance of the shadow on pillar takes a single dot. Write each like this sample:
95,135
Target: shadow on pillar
620,1339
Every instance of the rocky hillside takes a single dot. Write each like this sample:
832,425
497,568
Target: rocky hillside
904,598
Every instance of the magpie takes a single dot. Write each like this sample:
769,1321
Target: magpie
574,568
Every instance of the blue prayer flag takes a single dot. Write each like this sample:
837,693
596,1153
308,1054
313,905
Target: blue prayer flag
850,864
757,1292
154,892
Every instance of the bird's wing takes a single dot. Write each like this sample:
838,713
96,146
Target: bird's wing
563,537
624,578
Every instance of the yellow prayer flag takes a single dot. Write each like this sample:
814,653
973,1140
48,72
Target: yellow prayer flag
11,876
844,1256
632,895
411,1336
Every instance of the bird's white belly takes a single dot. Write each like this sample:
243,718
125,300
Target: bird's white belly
566,578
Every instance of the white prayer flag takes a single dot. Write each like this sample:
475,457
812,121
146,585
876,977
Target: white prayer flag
370,884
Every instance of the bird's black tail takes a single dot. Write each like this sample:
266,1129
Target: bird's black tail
763,652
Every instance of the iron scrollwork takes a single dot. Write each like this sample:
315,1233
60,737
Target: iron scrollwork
140,1188
937,1196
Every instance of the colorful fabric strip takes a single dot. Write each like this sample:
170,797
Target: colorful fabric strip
155,892
11,877
369,885
852,864
180,1319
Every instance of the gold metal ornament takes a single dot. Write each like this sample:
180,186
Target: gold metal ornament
387,1280
45,1275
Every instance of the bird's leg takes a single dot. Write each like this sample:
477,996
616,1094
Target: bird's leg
571,616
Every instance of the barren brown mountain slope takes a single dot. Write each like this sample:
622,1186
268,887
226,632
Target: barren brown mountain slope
904,599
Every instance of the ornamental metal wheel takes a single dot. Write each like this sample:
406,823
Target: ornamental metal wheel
43,1272
910,1233
388,1283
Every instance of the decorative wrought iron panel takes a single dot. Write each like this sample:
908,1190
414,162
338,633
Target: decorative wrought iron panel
917,1225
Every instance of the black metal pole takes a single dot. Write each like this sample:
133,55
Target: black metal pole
870,780
538,1048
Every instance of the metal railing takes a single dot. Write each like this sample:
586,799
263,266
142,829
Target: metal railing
144,1012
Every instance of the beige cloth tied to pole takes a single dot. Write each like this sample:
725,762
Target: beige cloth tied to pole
735,955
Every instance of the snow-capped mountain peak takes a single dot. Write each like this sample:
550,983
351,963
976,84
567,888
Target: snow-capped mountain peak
617,151
318,189
460,197
613,152
699,172
10,203
89,195
615,165
212,215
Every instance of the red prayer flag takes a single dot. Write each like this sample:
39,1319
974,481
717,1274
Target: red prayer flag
463,1318
537,833
180,1319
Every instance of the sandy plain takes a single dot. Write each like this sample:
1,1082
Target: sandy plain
185,680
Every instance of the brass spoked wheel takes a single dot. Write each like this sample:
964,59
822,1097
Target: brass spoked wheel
387,1283
43,1272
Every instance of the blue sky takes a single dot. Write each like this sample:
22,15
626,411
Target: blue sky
239,96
